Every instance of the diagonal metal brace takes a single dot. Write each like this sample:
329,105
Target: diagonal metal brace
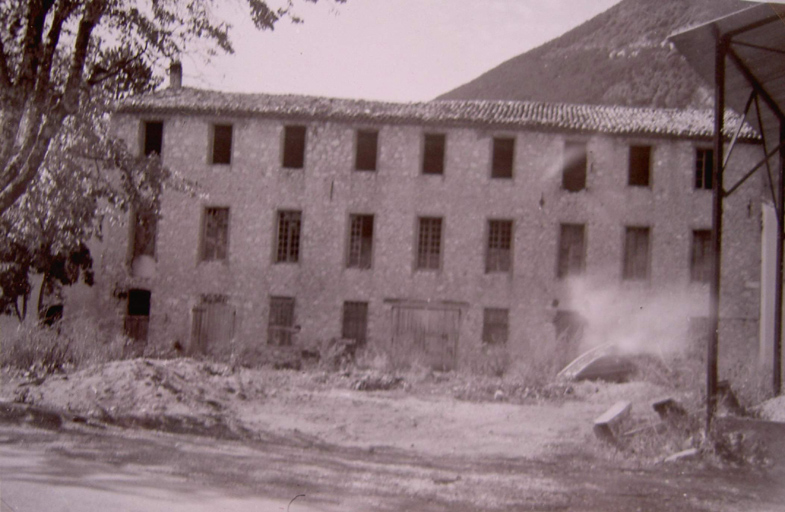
752,171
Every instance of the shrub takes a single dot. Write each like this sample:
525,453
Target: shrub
69,344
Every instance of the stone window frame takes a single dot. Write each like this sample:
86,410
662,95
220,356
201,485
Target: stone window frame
291,250
567,256
703,178
633,270
424,158
144,134
364,256
223,234
293,155
359,138
424,257
495,326
212,148
502,262
354,321
494,173
633,179
281,317
701,251
568,171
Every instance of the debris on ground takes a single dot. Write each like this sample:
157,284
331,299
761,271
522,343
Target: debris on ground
772,410
377,382
606,427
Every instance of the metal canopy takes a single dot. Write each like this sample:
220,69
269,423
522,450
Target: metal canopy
743,55
756,50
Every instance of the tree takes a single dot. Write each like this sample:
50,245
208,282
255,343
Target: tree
54,55
62,64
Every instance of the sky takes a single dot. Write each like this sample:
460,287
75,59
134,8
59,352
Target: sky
388,50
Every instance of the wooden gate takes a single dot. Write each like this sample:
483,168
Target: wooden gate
429,334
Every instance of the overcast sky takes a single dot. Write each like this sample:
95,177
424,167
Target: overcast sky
396,50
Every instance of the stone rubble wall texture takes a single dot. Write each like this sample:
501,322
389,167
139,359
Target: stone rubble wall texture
328,190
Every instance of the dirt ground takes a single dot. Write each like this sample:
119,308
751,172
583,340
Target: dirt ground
431,442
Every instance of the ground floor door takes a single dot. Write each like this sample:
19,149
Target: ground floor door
427,334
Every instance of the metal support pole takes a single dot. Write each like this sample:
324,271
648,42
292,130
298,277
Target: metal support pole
777,355
716,230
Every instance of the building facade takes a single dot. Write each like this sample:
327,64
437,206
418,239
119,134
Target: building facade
437,228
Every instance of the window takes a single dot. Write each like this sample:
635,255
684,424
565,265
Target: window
433,153
289,226
213,322
572,250
429,243
294,147
215,234
636,253
498,257
355,321
280,322
495,326
701,260
145,227
367,143
503,157
153,137
360,241
574,166
222,144
704,168
640,166
137,319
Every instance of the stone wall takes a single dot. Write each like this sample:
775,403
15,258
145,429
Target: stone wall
328,190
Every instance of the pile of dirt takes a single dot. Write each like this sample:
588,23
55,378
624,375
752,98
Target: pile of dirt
772,410
141,387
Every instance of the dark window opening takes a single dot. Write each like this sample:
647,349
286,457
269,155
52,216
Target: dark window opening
640,166
575,163
355,321
145,228
280,322
289,226
294,147
360,249
503,157
153,137
572,252
137,318
222,144
429,243
701,260
704,168
495,326
433,153
215,234
636,253
367,146
499,250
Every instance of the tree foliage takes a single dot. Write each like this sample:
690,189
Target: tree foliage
54,55
62,65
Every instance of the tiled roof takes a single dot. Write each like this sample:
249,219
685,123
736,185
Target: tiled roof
502,114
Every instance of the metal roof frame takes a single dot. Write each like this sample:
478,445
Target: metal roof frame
753,41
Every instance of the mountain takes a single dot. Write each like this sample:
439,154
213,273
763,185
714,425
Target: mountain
619,57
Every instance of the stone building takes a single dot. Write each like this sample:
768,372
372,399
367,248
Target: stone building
437,227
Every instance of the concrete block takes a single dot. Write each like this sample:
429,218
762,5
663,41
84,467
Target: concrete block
605,426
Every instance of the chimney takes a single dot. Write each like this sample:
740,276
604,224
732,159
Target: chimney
175,75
